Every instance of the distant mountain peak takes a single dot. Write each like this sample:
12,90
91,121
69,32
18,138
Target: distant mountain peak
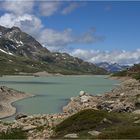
112,67
20,43
16,28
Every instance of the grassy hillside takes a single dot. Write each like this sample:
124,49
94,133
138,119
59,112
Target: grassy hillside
15,64
14,134
111,125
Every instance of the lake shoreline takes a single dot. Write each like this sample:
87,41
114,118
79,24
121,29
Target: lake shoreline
122,79
51,75
8,97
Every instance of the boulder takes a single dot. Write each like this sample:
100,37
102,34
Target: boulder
20,115
82,93
73,135
121,94
137,102
137,122
136,111
40,122
123,107
94,133
3,89
29,128
116,106
104,106
1,107
105,120
84,98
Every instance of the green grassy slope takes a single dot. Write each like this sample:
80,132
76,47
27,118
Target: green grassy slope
14,64
117,126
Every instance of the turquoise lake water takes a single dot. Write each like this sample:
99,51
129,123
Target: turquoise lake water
53,92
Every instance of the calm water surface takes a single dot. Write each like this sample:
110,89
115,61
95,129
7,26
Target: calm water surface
54,92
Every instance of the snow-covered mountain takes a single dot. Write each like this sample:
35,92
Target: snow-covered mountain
112,67
14,41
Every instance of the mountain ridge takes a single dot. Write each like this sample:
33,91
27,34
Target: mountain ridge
21,48
112,67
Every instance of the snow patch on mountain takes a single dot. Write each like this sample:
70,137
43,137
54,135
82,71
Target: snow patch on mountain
14,47
6,52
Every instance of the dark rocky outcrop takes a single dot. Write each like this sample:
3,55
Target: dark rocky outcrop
20,115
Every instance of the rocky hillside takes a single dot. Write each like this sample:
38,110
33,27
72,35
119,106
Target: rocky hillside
20,52
133,72
134,69
15,42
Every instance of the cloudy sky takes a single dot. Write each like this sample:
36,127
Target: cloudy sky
94,31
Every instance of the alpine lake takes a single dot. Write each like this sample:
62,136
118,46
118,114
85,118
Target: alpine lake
54,92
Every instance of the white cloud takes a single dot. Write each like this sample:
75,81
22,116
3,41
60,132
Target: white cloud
18,7
71,7
89,37
49,8
121,57
28,23
19,13
57,40
44,8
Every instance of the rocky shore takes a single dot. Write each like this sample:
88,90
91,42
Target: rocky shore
46,74
39,126
125,98
7,97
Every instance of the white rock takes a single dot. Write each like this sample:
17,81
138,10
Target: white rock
72,98
110,102
122,94
137,122
73,135
84,99
136,111
86,104
29,127
94,133
30,117
81,93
